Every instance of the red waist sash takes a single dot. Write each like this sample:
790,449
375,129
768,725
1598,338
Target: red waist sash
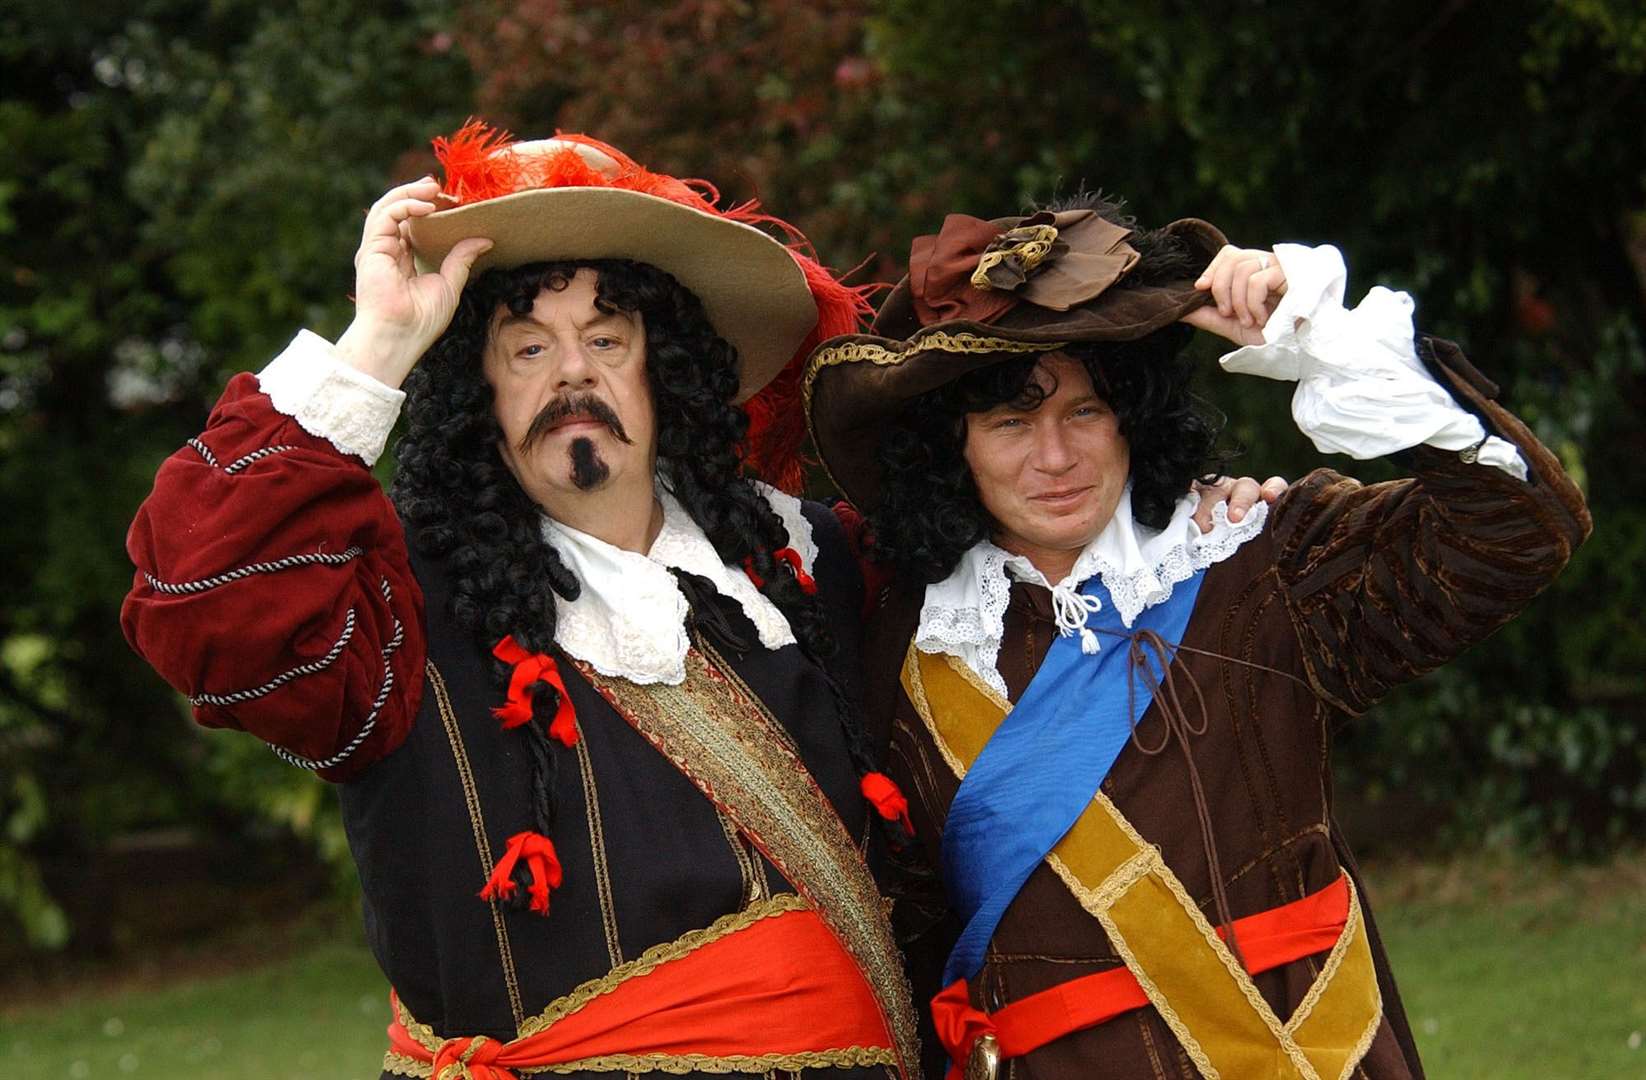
781,989
1267,940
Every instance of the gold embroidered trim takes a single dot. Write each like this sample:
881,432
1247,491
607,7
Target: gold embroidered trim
1030,243
399,1065
1185,1037
1141,865
1334,960
1352,931
678,1064
748,869
1364,1043
722,740
1242,981
1147,862
471,797
854,352
849,1057
597,847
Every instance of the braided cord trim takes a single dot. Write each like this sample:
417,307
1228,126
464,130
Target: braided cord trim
317,558
205,452
366,729
256,455
240,463
238,697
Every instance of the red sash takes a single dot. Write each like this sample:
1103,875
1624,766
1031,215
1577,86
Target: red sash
1268,940
781,989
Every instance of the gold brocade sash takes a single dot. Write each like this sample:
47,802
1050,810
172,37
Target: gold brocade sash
1189,974
720,735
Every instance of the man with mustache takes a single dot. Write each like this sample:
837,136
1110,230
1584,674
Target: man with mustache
586,688
589,470
1114,730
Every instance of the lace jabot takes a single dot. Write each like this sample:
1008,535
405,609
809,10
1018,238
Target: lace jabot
629,621
964,615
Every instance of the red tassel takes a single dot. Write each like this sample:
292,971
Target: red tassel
888,800
792,557
789,555
541,862
528,669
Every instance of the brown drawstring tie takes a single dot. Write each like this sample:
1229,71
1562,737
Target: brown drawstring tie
1139,643
1179,725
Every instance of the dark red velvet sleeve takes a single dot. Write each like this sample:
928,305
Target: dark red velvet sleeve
274,589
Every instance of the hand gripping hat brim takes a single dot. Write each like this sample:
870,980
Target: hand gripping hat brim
755,295
574,198
855,384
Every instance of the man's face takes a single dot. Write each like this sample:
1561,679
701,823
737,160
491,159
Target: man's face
572,396
1051,476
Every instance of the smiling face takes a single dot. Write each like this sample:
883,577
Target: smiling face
572,396
1049,476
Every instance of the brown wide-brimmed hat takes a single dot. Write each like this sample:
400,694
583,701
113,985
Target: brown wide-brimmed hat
978,293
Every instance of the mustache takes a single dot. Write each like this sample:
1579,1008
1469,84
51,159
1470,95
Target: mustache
565,408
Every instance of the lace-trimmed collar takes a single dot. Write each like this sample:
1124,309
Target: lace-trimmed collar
964,615
629,621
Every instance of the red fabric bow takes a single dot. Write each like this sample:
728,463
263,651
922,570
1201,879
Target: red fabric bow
958,1025
888,800
541,861
790,556
530,668
471,1058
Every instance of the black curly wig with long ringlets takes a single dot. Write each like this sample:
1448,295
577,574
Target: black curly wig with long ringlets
930,513
463,506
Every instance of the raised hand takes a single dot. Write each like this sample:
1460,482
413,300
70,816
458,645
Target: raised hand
1244,283
1241,495
398,312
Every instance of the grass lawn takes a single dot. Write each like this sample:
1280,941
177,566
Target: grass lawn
1515,970
1511,970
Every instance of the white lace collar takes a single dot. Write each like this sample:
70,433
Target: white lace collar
629,621
964,615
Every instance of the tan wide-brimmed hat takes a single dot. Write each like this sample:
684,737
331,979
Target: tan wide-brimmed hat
977,293
572,197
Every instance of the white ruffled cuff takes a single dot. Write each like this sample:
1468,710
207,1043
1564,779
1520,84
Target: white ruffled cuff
1361,389
329,399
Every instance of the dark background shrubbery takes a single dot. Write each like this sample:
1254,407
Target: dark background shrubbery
180,189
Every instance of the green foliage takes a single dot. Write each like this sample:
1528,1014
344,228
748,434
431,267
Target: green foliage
175,200
1492,166
180,187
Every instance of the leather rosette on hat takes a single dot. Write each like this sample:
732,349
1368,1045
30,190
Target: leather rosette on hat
977,270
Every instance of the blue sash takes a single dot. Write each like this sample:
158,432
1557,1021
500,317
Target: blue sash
1044,764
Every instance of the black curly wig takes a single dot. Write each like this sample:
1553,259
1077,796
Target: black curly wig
930,513
463,506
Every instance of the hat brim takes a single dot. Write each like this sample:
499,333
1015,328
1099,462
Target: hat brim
855,385
754,293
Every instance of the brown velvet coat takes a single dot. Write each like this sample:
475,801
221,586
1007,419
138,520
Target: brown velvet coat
1352,589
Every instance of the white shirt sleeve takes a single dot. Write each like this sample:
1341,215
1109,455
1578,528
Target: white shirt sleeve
1361,389
329,399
